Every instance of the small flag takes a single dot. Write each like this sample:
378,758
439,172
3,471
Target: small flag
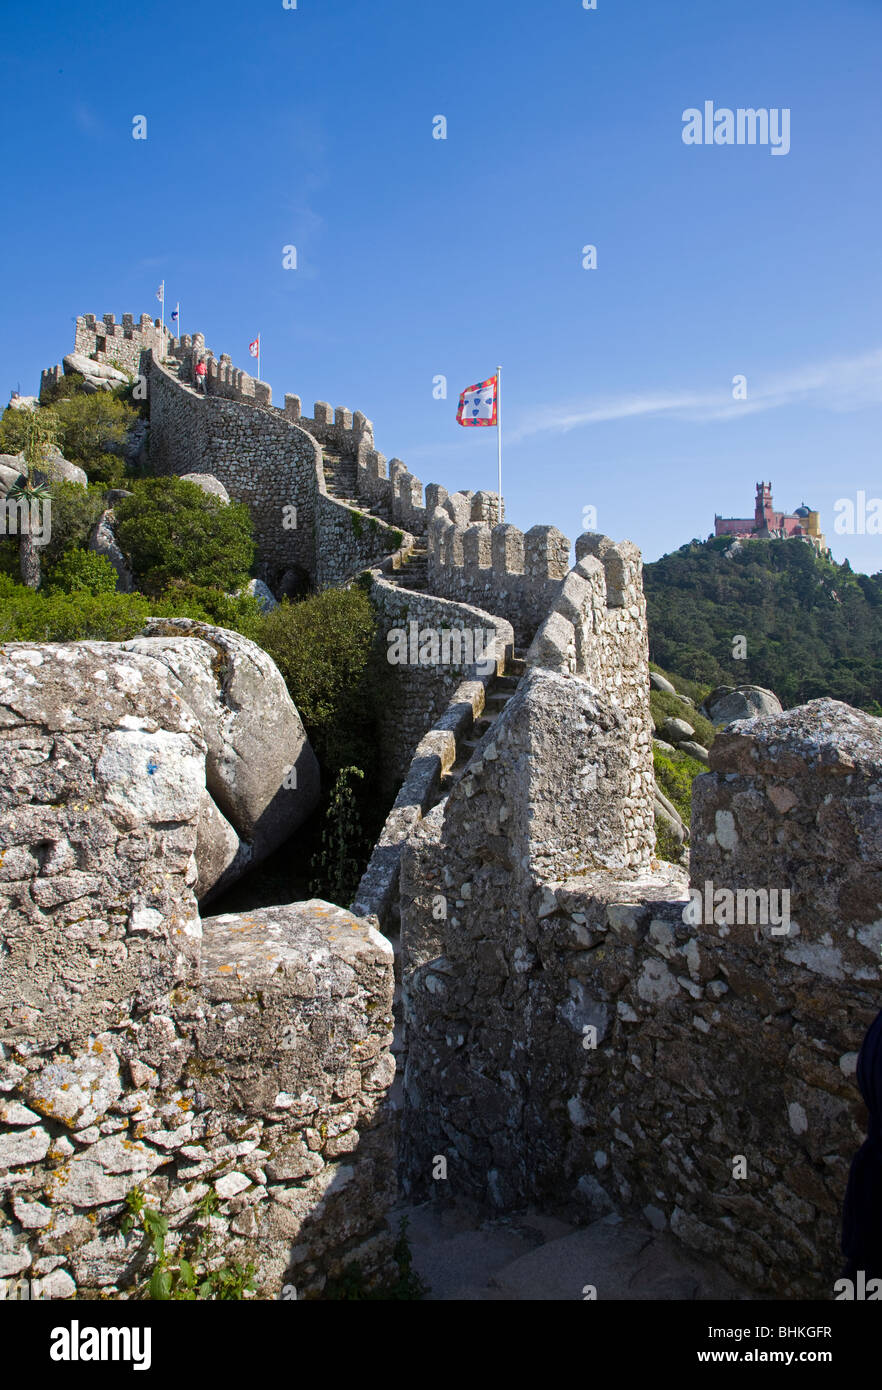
254,348
160,293
477,404
176,313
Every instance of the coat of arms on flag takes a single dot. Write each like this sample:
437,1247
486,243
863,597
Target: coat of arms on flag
160,293
254,348
477,404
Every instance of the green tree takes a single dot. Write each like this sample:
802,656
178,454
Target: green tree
90,426
323,646
171,530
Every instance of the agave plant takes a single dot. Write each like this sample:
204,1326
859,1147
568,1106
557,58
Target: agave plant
28,551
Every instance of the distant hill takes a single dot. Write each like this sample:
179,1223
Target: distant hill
812,627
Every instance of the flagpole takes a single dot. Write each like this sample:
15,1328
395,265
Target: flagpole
499,435
258,357
162,320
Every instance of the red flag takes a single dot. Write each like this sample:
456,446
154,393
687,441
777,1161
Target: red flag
477,404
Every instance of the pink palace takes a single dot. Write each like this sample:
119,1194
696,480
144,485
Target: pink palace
767,524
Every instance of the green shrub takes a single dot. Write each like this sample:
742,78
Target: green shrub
184,1275
89,426
71,384
239,613
28,432
323,647
675,772
28,615
172,530
81,571
667,846
75,510
109,469
339,864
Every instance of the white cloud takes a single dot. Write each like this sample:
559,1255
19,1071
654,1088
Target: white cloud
841,385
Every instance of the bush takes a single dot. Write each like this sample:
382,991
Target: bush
28,432
89,426
75,510
81,571
323,645
109,469
339,863
239,613
68,385
675,773
28,615
172,530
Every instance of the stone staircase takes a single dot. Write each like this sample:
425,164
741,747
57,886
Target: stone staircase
499,692
414,572
341,481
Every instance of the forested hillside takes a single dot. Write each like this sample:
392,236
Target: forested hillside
811,627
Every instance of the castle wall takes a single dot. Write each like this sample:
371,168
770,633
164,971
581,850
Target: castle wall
519,576
125,345
584,1042
425,710
242,1058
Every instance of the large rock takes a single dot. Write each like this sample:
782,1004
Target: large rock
727,703
208,483
24,403
100,371
262,592
103,541
56,468
677,730
13,469
260,768
658,682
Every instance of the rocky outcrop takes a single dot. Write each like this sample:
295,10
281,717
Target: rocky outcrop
726,703
260,769
13,470
245,1057
263,593
103,542
208,483
99,376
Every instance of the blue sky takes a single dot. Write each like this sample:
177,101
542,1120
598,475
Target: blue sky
419,257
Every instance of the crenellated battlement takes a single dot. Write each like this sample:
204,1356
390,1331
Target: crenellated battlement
125,345
516,574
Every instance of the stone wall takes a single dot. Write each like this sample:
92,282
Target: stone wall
265,460
127,345
412,696
239,1058
417,695
577,1039
519,576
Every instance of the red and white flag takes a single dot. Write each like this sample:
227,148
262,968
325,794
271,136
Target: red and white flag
477,404
254,348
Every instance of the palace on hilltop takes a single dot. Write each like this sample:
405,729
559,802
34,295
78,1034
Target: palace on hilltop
768,525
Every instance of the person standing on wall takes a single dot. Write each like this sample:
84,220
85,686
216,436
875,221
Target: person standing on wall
201,373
